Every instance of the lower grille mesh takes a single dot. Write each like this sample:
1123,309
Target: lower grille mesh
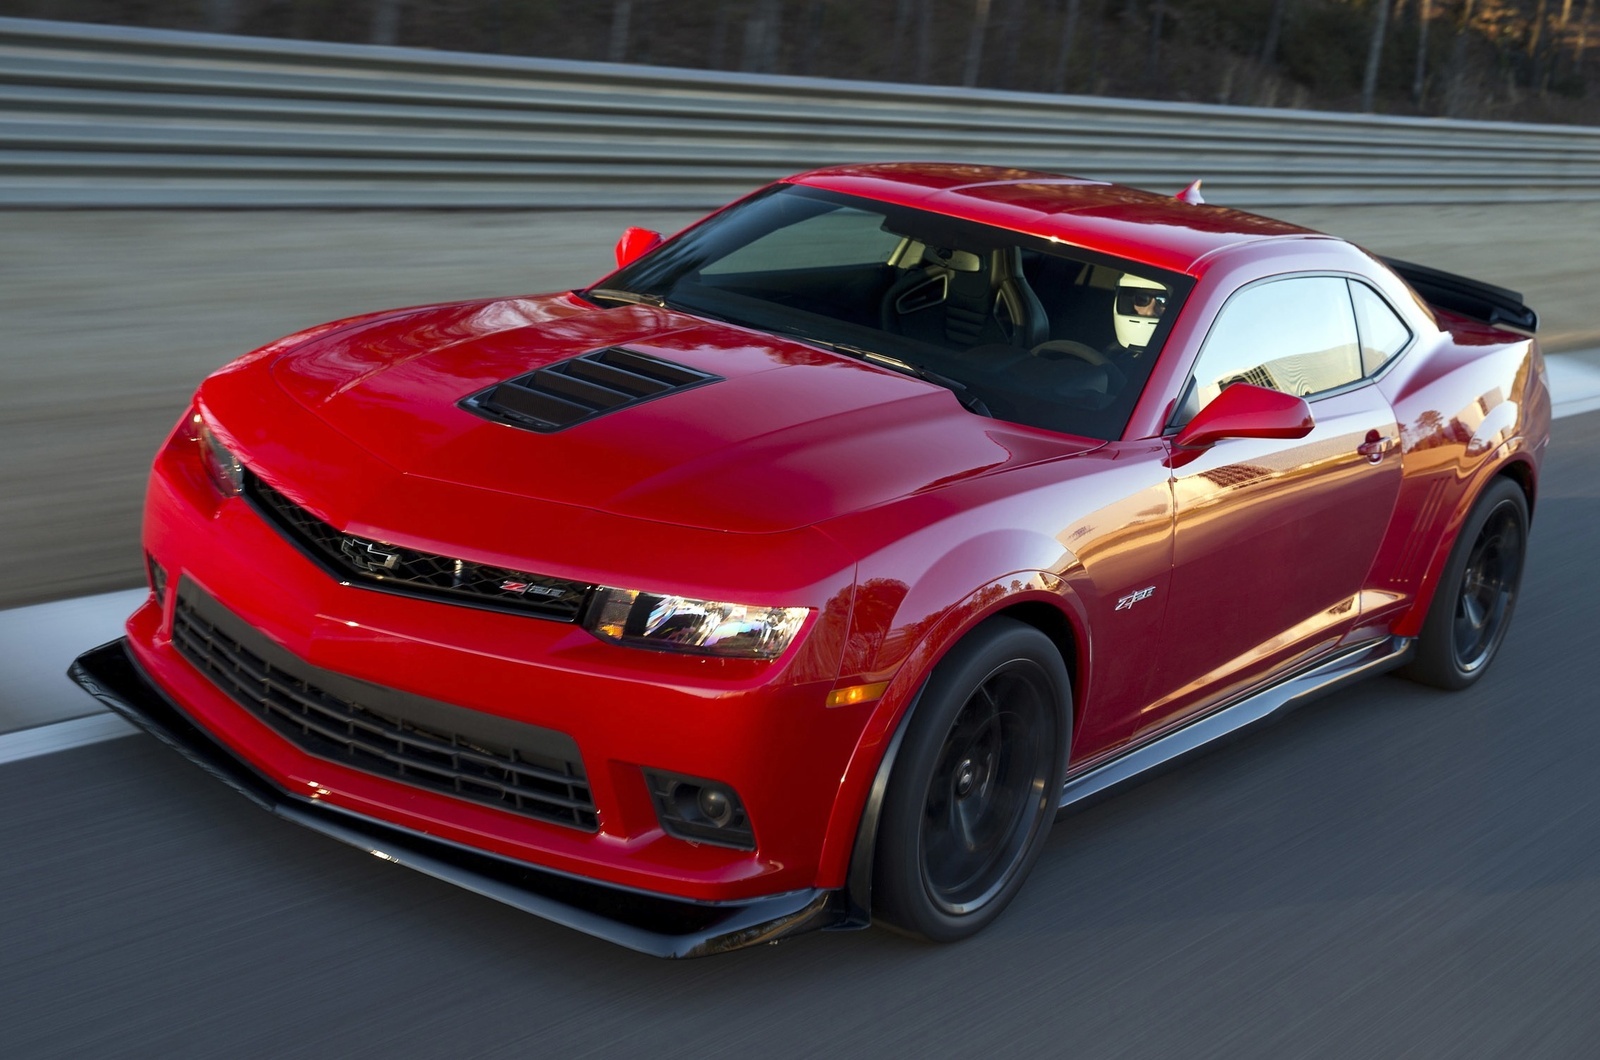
346,732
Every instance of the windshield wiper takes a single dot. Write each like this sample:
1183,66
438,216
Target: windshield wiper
969,401
621,297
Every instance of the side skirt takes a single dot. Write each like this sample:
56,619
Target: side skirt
1233,719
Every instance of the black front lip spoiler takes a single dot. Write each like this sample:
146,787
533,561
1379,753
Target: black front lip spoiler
649,923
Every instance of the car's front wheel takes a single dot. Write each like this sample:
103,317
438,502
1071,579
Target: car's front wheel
975,787
1471,609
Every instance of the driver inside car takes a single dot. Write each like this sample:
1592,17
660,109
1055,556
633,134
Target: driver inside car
1137,306
1137,310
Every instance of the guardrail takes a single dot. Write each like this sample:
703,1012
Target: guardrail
99,116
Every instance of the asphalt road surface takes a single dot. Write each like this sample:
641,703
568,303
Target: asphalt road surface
1390,872
111,317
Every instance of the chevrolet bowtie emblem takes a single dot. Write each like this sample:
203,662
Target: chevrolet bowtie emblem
369,556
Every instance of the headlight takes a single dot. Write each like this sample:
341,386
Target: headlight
676,623
227,474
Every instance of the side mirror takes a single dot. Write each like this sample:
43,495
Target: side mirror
634,244
1246,411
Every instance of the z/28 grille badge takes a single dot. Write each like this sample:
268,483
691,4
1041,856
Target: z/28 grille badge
529,589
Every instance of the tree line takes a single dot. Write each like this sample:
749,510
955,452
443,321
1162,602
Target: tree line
1528,59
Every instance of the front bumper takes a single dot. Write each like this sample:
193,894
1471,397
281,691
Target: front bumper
762,728
649,923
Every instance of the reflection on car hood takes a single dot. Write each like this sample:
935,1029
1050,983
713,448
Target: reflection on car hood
788,436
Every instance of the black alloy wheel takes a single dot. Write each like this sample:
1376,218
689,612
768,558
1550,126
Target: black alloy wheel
1488,588
975,787
1471,610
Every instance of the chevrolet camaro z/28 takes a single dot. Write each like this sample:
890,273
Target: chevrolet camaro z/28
796,574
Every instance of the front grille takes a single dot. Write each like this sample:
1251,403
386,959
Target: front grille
411,572
545,780
573,391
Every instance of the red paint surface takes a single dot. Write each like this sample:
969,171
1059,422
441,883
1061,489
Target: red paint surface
807,479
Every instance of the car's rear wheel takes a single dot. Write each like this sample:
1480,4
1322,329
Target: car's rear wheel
973,792
1472,606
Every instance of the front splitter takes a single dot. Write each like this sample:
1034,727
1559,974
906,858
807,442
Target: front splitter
649,923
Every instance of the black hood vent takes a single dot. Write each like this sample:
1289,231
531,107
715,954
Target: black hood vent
569,392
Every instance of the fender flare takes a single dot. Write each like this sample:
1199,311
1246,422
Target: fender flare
858,877
858,880
1510,454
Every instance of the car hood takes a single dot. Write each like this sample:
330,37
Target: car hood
787,435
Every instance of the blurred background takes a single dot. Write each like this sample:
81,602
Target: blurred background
1524,60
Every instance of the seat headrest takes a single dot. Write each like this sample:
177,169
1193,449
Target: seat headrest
957,260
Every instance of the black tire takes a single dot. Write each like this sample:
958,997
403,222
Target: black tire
1477,593
974,789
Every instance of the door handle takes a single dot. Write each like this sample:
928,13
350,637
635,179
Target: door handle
1376,445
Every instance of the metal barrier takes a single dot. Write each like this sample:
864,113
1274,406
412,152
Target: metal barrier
98,116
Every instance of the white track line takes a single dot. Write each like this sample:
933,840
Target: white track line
44,638
1574,383
38,643
48,739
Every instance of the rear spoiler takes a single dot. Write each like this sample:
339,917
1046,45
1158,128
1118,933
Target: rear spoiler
1471,298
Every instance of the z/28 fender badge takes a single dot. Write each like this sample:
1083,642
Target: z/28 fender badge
1125,603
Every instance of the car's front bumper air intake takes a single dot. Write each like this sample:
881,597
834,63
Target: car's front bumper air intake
653,924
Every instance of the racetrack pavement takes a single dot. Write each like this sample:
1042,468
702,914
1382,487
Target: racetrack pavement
1390,871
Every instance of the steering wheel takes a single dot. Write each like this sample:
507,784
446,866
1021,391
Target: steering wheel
1061,349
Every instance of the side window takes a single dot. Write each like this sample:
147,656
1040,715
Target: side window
843,236
1296,335
1383,334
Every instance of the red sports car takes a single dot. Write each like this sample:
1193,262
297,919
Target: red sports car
795,574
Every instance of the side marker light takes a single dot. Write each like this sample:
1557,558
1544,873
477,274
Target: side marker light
853,694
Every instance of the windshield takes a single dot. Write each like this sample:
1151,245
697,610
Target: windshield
1021,328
